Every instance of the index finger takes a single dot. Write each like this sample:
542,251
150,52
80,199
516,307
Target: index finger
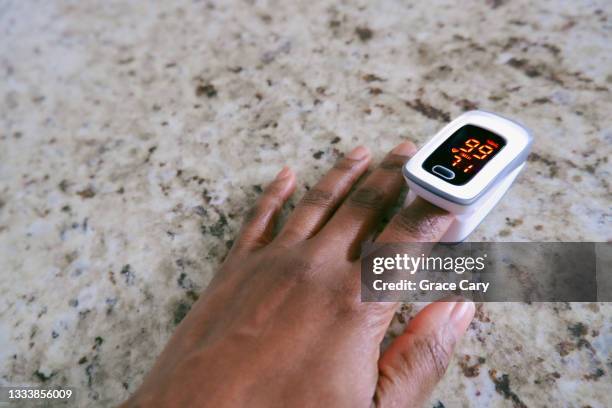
420,221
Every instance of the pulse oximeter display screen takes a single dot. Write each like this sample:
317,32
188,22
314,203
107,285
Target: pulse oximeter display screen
464,154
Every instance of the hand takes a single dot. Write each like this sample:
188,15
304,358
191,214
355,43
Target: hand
282,325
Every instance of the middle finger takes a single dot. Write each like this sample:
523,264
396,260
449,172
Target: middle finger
360,213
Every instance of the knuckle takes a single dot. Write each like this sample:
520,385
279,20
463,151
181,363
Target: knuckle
420,225
407,222
270,202
251,214
367,197
434,352
347,299
296,268
266,206
393,162
317,198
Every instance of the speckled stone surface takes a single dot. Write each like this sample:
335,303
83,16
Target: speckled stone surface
133,138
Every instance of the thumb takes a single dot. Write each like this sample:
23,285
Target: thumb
416,360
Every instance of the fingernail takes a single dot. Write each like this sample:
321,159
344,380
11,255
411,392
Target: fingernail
461,315
404,149
283,174
358,153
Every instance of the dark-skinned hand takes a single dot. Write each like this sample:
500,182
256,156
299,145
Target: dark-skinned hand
282,324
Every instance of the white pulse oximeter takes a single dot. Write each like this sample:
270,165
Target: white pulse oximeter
467,167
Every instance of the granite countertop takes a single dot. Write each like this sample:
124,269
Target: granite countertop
133,137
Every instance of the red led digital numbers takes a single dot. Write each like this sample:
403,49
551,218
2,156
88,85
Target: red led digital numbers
463,156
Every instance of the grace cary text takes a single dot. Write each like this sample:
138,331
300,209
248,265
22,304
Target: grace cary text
426,285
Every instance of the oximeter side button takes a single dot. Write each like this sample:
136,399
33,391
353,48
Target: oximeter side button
443,172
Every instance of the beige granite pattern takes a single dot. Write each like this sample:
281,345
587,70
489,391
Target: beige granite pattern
134,136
